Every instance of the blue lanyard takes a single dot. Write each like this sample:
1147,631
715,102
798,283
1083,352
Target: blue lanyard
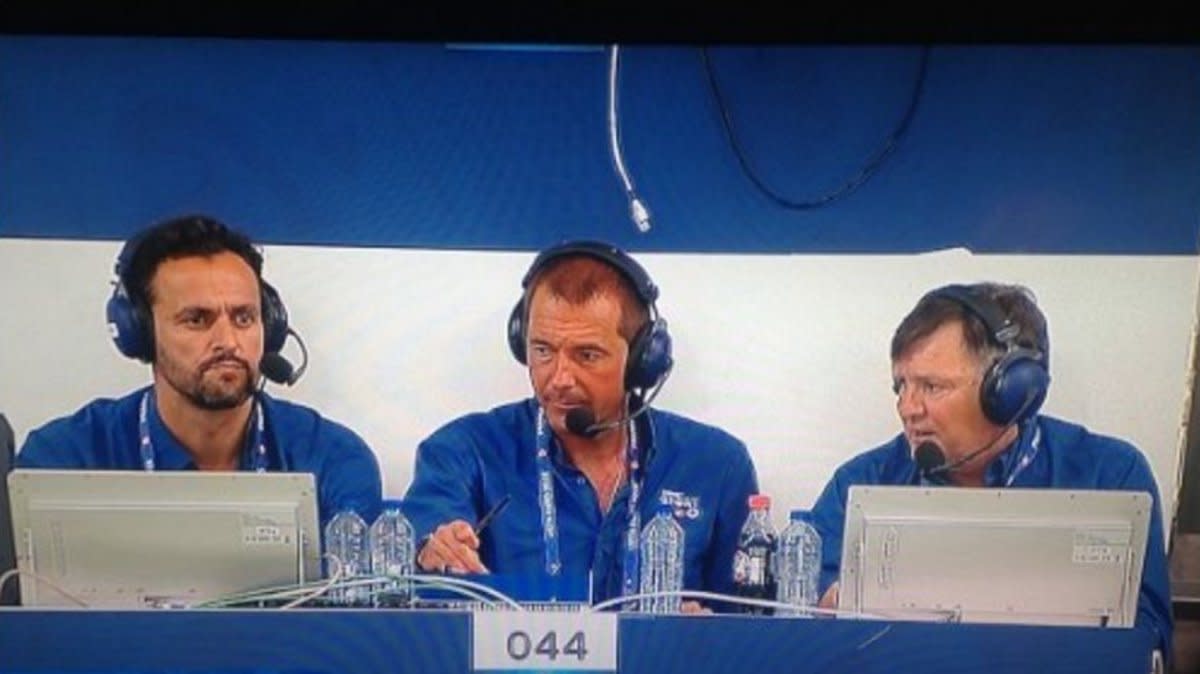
546,498
629,579
146,448
1027,455
633,548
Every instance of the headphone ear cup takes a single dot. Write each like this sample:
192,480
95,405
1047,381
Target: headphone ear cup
130,328
274,319
516,331
129,324
1015,387
650,357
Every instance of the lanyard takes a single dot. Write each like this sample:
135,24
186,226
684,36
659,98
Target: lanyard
146,448
549,510
633,548
1027,455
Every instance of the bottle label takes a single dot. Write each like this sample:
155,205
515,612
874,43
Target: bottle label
751,567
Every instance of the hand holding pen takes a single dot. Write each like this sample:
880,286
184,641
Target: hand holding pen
454,547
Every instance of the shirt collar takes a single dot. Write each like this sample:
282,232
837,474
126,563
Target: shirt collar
1006,462
170,454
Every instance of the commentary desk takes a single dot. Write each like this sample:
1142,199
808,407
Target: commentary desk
347,641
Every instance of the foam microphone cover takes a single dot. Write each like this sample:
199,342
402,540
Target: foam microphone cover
277,368
580,421
929,457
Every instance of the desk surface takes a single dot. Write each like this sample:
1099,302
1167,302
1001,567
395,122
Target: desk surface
352,641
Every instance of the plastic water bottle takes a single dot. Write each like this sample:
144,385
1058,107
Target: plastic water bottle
799,563
753,562
661,562
346,539
392,555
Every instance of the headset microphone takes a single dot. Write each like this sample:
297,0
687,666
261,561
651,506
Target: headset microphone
933,461
581,421
930,459
274,367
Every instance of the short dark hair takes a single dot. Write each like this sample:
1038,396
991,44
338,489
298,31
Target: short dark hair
1016,302
186,236
579,278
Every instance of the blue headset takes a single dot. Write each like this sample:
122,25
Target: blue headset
1015,386
650,349
132,327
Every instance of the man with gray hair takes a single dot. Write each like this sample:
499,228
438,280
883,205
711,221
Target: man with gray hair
970,369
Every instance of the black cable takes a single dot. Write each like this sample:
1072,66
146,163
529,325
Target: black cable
869,168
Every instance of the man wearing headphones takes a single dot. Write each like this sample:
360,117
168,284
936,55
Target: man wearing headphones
190,300
585,461
970,370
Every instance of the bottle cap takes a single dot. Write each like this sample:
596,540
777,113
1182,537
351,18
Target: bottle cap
801,515
348,511
760,502
665,509
393,504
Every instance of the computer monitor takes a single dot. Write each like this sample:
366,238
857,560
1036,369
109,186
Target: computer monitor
8,559
136,539
1032,556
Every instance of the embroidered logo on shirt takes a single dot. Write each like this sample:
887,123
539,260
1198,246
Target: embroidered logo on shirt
683,505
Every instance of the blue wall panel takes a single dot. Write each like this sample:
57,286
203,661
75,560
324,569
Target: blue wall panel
1013,149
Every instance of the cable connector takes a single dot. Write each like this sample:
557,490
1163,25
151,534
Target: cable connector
639,213
637,210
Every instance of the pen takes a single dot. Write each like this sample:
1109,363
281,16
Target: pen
491,514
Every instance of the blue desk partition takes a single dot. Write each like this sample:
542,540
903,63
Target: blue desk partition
223,641
689,645
353,641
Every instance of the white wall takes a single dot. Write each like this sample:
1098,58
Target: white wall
790,353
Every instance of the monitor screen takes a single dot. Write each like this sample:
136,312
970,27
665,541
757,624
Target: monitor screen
1033,556
146,539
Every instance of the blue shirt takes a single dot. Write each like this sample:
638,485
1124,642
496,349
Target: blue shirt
1065,456
104,435
471,463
